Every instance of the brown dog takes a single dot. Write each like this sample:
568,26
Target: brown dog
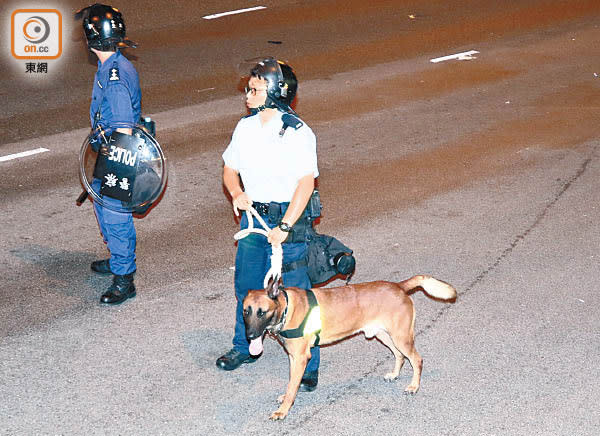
380,309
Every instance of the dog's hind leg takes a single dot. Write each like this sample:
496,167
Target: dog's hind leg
406,345
402,333
386,340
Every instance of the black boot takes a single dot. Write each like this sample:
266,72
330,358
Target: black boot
233,359
309,381
121,289
101,267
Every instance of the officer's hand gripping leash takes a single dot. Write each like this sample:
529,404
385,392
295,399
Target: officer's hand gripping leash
274,272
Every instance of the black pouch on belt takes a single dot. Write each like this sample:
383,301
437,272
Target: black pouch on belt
298,233
299,230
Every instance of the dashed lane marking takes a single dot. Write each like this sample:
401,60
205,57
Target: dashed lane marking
22,154
238,11
464,56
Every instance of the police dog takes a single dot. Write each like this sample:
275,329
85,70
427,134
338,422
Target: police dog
380,309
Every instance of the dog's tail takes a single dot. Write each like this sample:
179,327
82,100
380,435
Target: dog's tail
434,287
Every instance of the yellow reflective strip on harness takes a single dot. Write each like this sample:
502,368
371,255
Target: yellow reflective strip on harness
313,323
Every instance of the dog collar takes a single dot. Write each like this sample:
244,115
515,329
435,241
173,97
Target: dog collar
277,327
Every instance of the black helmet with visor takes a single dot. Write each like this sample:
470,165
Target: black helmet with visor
281,83
104,27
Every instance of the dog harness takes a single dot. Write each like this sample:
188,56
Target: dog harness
311,324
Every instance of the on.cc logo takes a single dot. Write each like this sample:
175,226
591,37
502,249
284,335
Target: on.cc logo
36,34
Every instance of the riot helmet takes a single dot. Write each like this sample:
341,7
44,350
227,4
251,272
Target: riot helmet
281,83
104,27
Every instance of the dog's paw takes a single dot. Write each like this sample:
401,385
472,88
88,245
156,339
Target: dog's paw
390,377
411,389
277,416
280,399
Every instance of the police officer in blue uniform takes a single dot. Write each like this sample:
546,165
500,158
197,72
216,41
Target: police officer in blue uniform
115,107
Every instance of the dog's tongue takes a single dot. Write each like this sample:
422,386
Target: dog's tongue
256,346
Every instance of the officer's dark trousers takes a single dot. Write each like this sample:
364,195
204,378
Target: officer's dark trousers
118,232
252,262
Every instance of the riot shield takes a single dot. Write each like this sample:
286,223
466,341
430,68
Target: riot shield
124,173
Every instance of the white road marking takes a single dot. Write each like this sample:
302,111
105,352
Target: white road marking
22,154
239,11
464,56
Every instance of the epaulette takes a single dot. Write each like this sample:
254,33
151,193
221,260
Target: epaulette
114,72
290,120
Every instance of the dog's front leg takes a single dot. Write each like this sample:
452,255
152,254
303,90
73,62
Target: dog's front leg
299,357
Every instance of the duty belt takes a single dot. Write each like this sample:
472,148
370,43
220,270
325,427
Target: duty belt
275,211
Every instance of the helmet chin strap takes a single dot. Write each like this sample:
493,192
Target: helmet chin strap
255,110
270,104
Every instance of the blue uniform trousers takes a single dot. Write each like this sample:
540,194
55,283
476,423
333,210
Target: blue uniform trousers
118,232
252,262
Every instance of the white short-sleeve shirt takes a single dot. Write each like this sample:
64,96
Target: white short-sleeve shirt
270,165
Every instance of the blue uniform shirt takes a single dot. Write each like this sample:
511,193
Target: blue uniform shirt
117,94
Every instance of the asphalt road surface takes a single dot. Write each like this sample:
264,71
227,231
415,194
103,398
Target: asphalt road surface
482,172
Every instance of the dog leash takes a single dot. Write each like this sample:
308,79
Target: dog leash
274,272
312,320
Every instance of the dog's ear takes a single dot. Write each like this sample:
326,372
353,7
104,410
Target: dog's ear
274,288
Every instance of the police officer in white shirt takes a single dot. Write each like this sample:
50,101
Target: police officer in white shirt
274,153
